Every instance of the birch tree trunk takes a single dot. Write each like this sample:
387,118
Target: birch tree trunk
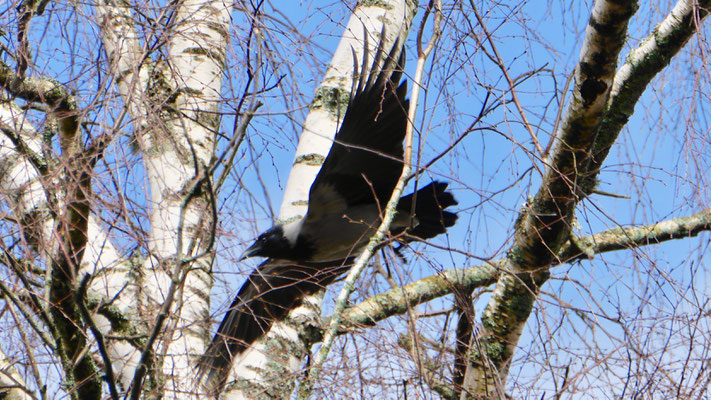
175,128
585,137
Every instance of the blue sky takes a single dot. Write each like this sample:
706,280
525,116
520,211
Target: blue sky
660,161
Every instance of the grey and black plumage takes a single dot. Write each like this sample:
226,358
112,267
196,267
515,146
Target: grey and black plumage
346,201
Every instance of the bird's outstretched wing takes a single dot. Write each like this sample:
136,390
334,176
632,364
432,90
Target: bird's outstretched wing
271,291
365,160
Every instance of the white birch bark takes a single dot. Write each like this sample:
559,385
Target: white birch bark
17,174
541,232
177,145
603,100
127,60
12,385
176,149
322,121
112,279
20,179
176,159
269,368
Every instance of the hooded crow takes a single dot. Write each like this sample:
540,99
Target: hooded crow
346,201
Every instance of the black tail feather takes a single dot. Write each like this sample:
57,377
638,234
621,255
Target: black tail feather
429,205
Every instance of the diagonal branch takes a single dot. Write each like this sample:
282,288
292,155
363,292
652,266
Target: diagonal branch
544,225
126,57
255,374
12,384
35,302
42,90
71,224
641,65
585,136
180,270
398,301
27,10
80,297
371,248
512,85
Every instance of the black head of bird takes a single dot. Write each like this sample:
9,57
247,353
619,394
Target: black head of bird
282,241
272,244
268,244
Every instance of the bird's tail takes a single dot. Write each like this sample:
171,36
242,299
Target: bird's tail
270,292
429,204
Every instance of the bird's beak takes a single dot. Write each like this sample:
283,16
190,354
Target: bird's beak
251,251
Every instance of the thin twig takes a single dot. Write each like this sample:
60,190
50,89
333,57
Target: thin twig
28,315
461,137
499,62
464,333
177,277
559,116
36,303
30,353
79,298
394,302
22,148
238,135
416,352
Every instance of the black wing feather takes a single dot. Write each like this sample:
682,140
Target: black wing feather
428,206
365,160
273,289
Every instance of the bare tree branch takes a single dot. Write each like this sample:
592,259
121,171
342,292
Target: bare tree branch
390,208
398,301
642,64
267,367
545,225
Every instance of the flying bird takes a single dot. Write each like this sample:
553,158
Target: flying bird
346,202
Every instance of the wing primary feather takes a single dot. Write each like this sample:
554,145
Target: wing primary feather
365,159
273,289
